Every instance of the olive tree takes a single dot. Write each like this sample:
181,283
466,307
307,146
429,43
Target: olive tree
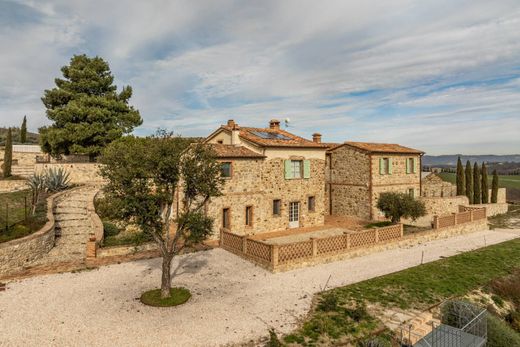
161,184
400,205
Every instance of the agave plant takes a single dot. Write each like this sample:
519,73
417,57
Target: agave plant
37,184
56,179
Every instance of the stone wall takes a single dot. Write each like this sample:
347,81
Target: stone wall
348,174
434,186
79,173
15,254
256,183
439,206
7,186
493,209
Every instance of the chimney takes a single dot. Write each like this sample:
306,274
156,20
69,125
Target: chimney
235,132
231,123
274,124
316,137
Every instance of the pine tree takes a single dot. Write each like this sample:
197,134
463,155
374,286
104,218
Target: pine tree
469,182
87,111
477,196
8,154
461,189
485,188
23,130
494,188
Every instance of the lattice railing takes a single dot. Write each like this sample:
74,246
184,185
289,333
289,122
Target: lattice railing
258,250
294,251
466,215
391,232
332,244
230,241
363,238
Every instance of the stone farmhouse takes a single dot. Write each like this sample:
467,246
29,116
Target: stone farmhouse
274,179
357,172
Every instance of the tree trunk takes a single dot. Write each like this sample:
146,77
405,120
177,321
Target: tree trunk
166,283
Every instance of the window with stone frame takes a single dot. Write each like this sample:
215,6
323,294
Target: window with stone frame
411,192
249,216
226,169
277,207
311,204
385,166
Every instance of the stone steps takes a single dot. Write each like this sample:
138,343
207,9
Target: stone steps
70,217
70,210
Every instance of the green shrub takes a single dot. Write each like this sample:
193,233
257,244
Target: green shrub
513,319
373,342
497,300
110,229
328,303
273,339
500,334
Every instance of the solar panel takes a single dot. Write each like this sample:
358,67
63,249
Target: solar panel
270,136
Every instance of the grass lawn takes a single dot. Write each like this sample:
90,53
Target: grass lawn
503,181
178,296
18,226
339,315
509,220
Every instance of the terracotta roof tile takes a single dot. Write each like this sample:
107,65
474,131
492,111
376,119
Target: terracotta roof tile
275,138
380,147
230,151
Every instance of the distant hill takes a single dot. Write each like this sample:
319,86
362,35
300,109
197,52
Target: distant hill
32,138
451,159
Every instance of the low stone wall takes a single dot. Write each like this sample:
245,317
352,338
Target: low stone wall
125,250
7,186
79,173
15,254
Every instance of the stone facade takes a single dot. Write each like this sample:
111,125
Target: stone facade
79,173
355,180
434,186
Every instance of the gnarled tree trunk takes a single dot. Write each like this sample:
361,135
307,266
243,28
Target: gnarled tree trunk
166,282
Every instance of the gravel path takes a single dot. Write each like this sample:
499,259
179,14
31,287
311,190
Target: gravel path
233,300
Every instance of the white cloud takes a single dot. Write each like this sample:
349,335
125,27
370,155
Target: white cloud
195,64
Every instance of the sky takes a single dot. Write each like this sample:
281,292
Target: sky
442,76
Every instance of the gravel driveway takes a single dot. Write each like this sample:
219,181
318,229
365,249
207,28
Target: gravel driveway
233,300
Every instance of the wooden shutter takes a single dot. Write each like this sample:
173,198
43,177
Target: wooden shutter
407,165
287,169
414,165
389,166
306,169
381,166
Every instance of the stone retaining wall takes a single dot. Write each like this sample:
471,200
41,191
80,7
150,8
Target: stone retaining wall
7,186
125,250
15,254
493,209
79,173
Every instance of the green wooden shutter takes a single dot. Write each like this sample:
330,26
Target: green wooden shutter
381,164
414,165
389,166
287,169
407,165
306,169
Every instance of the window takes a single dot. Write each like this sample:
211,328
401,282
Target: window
410,165
277,207
225,218
385,166
249,216
311,203
220,141
225,169
296,168
411,192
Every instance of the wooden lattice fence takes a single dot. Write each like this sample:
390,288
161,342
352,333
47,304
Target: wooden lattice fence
465,215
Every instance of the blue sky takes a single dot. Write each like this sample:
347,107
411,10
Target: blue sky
442,76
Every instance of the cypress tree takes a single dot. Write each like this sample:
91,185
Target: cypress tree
8,154
23,130
485,188
461,189
494,188
477,197
469,182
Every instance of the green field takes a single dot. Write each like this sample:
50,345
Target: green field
503,181
511,183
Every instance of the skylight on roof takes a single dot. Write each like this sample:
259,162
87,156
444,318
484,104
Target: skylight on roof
270,136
